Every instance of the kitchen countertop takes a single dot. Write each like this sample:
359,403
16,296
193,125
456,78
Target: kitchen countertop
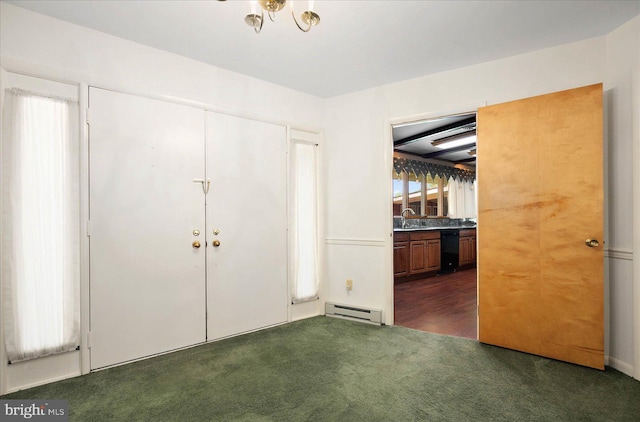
416,229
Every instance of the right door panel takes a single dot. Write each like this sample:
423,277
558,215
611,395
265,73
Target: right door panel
246,207
540,180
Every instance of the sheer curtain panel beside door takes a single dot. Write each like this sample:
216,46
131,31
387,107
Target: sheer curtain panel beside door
304,217
40,225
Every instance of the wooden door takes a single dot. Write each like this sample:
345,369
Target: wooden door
540,175
247,214
147,281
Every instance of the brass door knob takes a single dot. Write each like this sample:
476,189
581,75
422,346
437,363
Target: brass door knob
195,244
216,243
592,243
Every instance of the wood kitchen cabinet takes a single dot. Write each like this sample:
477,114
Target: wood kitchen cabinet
416,252
419,256
424,251
433,250
401,254
467,247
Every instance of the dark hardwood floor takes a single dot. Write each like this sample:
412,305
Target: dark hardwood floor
444,304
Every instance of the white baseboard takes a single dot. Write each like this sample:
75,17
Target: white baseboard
621,366
42,382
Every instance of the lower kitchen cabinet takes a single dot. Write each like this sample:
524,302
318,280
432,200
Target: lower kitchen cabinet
419,256
416,252
401,255
467,247
433,250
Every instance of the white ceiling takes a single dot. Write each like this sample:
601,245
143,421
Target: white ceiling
358,44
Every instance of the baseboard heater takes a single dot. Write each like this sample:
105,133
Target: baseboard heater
371,316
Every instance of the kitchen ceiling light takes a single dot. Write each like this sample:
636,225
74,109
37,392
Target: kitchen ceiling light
455,141
255,20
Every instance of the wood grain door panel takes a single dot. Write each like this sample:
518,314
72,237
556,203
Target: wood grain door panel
540,197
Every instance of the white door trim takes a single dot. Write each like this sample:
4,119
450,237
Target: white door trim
636,224
388,171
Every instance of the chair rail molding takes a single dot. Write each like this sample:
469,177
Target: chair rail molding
354,242
624,254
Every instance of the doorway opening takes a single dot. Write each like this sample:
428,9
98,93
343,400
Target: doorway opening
434,225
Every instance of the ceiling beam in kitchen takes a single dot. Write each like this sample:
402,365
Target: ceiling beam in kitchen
449,127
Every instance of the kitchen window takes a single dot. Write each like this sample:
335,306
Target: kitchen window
425,195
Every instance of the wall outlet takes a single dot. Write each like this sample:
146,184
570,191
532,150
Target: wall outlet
349,284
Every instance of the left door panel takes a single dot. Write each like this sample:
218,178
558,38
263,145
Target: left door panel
147,281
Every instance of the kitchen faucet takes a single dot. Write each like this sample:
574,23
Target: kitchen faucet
403,217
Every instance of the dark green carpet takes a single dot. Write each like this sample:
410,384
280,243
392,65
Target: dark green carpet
325,369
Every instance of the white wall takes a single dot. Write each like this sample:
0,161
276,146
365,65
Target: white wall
101,59
622,62
359,243
40,45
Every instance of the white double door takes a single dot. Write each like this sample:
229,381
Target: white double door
151,290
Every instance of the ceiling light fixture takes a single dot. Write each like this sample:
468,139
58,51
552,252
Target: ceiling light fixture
456,141
255,20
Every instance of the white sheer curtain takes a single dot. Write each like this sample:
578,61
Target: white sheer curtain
40,225
461,197
304,251
469,199
452,197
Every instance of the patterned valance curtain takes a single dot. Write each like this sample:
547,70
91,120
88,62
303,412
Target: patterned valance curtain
421,168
